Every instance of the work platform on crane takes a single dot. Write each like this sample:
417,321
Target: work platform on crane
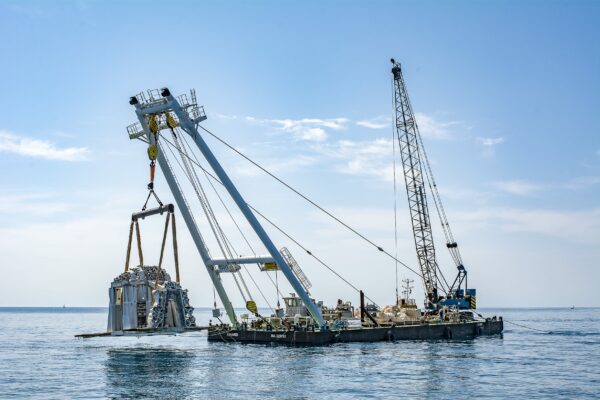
165,123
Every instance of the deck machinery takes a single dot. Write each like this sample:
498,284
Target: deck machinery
311,322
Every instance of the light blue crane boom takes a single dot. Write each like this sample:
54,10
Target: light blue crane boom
188,116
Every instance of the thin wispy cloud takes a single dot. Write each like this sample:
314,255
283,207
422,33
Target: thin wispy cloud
375,123
37,148
434,129
529,188
315,129
555,223
308,129
429,126
361,158
36,204
462,194
226,117
519,187
352,157
584,182
489,144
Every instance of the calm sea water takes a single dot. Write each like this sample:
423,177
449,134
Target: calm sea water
39,358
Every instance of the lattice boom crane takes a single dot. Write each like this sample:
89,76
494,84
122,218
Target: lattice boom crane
414,158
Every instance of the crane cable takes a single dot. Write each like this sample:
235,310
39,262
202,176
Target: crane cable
190,150
184,198
168,163
183,148
439,206
214,224
306,198
197,162
273,224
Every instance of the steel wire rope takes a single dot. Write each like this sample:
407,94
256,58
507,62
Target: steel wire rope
444,281
168,163
183,195
170,148
201,196
306,198
184,158
190,150
253,281
526,327
519,325
183,151
273,224
226,241
439,206
437,200
210,215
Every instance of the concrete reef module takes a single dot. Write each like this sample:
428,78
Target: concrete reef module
138,301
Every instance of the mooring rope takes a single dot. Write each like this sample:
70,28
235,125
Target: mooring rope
519,325
527,327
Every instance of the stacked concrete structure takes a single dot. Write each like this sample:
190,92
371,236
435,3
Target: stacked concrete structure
138,301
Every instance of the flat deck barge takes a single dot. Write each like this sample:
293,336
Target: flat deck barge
416,331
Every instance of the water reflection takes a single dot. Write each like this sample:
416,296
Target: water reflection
147,372
448,364
260,371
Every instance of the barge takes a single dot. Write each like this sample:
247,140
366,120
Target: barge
151,304
409,331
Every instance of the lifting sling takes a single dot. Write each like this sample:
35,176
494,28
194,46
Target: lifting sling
170,218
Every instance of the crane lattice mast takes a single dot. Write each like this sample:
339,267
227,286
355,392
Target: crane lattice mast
408,140
414,157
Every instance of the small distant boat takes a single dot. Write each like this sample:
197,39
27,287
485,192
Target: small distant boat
572,307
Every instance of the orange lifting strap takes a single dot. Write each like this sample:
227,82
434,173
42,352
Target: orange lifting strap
152,169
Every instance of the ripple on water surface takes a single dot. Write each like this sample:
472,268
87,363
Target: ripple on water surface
39,358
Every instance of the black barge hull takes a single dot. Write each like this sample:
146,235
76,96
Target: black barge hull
442,331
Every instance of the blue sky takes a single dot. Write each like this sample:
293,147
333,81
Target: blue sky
506,94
